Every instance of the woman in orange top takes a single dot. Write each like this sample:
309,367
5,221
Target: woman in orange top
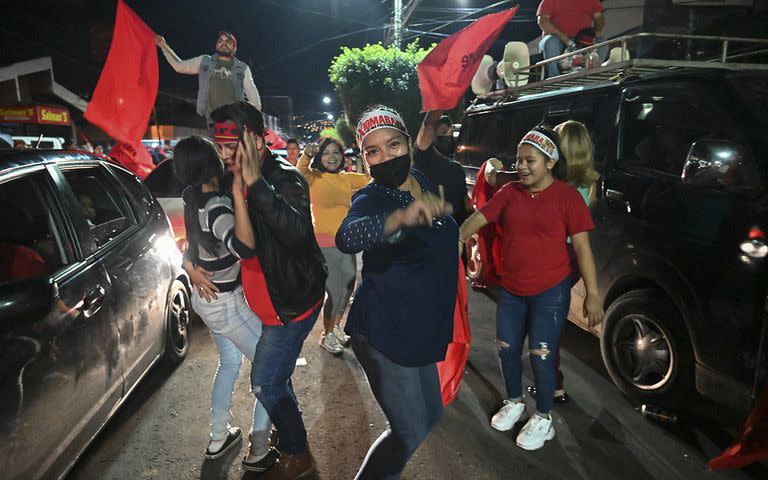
330,191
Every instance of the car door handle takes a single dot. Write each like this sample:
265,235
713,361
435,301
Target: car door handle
92,301
616,199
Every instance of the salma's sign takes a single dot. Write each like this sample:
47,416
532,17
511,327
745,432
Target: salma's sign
35,114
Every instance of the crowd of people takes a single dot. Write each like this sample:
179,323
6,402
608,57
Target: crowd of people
274,244
267,262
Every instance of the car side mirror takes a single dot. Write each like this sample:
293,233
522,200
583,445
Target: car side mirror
29,299
722,165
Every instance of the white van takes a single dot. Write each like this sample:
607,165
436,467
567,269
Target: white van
46,143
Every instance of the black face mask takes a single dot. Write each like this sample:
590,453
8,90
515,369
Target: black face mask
444,145
392,173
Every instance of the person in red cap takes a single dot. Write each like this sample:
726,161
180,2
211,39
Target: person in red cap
223,78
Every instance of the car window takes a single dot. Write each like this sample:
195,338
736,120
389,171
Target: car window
31,244
103,205
162,182
658,134
140,196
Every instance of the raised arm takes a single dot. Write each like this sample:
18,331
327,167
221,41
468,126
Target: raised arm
187,67
251,92
426,135
303,166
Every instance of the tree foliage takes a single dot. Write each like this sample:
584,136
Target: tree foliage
374,75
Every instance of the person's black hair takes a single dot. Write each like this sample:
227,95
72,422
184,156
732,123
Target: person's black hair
317,160
243,114
196,162
445,120
561,165
292,140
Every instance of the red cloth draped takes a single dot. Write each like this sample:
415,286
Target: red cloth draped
126,91
134,157
451,370
447,71
752,444
489,237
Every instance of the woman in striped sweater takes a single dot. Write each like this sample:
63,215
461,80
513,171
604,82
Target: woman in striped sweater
219,234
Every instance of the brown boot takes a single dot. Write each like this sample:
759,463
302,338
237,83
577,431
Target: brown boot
291,467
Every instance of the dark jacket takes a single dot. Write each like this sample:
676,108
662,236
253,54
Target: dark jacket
404,306
293,265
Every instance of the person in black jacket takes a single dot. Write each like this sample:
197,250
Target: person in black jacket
284,283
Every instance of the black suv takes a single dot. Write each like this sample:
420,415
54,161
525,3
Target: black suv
91,296
681,219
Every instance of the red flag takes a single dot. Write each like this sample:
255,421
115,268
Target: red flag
451,370
134,157
274,140
447,71
752,443
125,94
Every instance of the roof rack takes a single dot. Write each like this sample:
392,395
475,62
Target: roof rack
616,72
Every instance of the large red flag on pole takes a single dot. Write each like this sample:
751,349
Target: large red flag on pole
447,71
127,88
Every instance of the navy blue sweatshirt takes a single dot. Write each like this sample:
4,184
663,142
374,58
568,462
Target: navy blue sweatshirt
405,303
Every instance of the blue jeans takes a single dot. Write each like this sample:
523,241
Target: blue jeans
235,330
541,318
411,400
550,46
273,365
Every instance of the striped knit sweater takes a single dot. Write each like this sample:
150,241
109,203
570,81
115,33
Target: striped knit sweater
218,218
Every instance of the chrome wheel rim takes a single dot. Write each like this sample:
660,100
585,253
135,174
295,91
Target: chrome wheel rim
179,321
643,352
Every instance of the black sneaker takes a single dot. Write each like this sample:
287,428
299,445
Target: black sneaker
233,438
264,464
557,398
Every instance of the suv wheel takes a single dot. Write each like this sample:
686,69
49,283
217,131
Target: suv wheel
646,349
177,331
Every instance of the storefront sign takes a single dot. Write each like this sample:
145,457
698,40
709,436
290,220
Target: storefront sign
35,114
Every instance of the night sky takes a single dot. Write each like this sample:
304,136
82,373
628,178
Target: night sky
288,43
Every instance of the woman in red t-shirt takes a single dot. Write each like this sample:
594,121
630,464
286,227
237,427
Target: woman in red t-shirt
536,215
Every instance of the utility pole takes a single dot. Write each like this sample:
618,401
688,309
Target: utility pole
398,24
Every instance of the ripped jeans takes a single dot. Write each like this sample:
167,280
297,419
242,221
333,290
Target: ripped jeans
541,318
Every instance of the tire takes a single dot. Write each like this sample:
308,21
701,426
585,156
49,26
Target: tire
646,349
177,324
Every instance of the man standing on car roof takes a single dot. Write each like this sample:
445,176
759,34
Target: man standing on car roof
223,78
561,20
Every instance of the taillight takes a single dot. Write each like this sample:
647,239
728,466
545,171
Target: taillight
754,247
755,233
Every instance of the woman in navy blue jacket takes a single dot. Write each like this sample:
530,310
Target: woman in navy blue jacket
401,321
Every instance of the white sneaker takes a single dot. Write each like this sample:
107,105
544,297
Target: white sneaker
508,415
331,343
342,337
535,432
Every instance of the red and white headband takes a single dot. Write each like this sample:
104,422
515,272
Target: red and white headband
542,143
376,119
226,132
